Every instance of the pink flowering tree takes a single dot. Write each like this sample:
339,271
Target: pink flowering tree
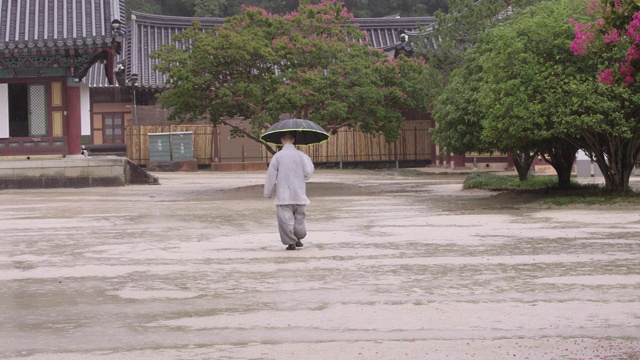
610,123
614,36
307,64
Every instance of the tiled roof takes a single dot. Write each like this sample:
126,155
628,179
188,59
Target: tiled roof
97,74
56,24
149,32
383,33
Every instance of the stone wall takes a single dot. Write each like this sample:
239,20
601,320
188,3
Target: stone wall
71,173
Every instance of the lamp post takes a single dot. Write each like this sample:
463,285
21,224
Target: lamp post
117,34
404,47
133,80
115,24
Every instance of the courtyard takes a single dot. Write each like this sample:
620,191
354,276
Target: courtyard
396,265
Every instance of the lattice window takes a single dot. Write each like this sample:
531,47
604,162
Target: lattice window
113,128
37,110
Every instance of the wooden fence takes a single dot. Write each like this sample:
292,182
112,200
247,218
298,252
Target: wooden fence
345,146
352,145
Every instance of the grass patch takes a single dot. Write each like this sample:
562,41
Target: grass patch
544,189
495,182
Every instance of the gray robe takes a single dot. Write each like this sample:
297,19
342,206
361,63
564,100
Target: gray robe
288,173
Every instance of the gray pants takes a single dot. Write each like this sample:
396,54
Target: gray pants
291,223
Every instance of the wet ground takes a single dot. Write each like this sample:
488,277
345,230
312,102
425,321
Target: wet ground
395,266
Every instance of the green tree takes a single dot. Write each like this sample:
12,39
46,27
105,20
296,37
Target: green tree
226,8
612,37
608,121
523,59
520,84
307,64
149,7
458,27
459,112
210,8
163,7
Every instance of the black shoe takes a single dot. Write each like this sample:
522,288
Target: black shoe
291,247
299,243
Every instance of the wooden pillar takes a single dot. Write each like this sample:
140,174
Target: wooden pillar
74,121
434,155
215,151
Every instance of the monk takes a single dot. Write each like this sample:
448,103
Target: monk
288,173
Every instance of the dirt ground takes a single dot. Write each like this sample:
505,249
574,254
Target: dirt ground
396,265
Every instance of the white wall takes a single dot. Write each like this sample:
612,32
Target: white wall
85,110
4,111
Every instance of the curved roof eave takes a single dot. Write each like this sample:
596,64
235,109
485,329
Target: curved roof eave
173,21
148,32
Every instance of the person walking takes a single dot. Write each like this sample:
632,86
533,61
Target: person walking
288,172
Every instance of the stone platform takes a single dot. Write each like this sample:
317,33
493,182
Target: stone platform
72,173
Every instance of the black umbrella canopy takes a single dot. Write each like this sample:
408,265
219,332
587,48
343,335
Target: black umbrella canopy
306,131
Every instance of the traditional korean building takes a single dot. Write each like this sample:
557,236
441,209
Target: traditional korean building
148,33
46,49
133,99
76,72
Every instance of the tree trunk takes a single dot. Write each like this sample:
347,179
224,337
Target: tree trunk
522,160
564,175
562,155
616,159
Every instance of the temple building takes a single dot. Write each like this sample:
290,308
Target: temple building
77,73
47,49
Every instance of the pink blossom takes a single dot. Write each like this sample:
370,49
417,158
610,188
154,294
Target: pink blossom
606,77
626,68
584,38
633,31
592,6
612,37
633,53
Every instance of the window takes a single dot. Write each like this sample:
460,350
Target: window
113,128
25,110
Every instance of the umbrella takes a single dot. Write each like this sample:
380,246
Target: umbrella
306,131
